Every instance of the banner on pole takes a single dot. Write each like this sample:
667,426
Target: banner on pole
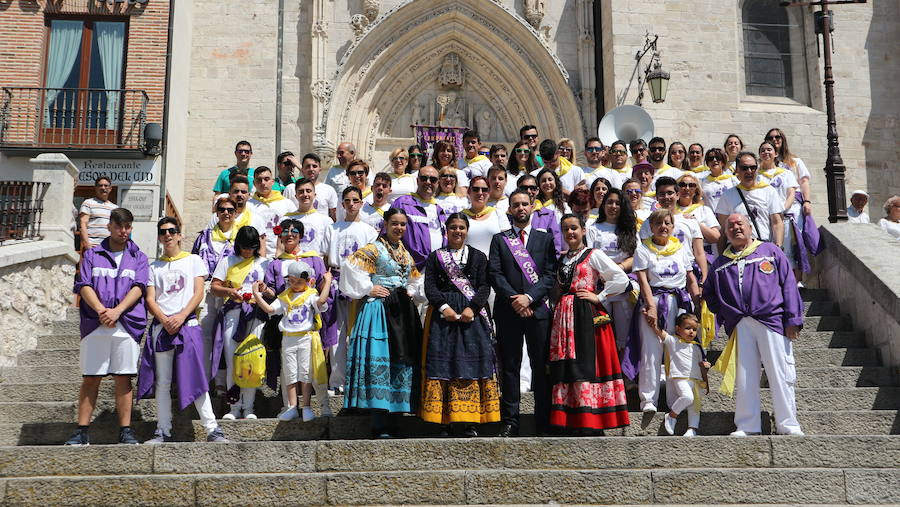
428,135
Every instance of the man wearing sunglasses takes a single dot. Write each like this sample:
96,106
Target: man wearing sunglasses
618,160
285,164
753,198
529,134
269,204
242,153
638,149
476,164
425,227
657,157
595,153
239,192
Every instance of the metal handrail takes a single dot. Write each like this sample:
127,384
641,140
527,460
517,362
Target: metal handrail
21,209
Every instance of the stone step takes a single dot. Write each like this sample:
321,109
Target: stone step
58,342
821,308
457,487
67,326
814,294
814,358
828,323
812,340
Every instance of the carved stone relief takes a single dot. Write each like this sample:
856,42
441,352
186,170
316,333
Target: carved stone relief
321,90
534,12
320,29
451,72
358,23
370,9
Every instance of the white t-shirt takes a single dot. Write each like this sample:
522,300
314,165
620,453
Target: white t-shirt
570,180
685,230
174,282
98,218
713,190
684,358
301,318
782,183
271,214
452,203
602,236
316,230
666,170
372,215
856,217
479,168
892,228
614,177
326,197
668,271
256,220
257,272
348,237
481,232
501,204
402,185
764,202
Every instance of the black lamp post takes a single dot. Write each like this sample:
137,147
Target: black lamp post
834,164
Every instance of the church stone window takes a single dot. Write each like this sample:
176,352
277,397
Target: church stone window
774,51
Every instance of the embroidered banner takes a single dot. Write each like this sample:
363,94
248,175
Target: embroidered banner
427,135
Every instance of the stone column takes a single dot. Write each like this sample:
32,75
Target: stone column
584,16
320,86
60,172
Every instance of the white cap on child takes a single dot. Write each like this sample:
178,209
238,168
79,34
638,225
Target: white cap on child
300,269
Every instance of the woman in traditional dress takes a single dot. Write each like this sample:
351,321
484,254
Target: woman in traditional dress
664,268
212,245
615,234
459,387
233,279
484,221
382,353
588,392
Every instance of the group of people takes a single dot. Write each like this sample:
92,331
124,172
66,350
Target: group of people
425,288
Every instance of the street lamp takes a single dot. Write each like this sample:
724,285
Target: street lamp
834,164
657,79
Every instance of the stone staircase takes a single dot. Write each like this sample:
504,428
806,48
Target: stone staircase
849,407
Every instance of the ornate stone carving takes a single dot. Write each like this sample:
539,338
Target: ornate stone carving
485,124
417,115
451,75
370,9
545,33
534,12
321,90
358,23
320,29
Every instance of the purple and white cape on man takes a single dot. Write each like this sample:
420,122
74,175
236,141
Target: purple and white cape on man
424,227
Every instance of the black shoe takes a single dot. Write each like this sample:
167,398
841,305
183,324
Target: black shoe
126,436
445,431
508,430
79,438
470,432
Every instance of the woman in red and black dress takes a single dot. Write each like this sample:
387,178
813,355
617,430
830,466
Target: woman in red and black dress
588,392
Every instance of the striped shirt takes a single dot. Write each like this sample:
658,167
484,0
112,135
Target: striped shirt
98,218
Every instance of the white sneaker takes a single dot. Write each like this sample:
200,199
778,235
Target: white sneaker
233,414
691,432
669,423
792,433
325,411
738,433
250,416
308,414
289,415
648,408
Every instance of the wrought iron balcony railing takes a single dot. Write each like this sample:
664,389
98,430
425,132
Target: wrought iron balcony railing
21,209
72,118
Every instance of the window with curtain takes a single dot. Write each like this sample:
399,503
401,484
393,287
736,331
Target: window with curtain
774,60
83,76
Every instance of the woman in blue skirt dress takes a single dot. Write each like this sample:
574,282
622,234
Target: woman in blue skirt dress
383,354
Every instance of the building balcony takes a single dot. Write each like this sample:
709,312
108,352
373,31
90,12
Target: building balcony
79,122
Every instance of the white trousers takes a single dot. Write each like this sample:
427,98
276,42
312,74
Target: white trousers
209,309
756,343
651,372
296,366
680,393
164,366
248,394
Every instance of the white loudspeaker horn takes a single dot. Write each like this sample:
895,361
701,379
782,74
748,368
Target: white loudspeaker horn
627,123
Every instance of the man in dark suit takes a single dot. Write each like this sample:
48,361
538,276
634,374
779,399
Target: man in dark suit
522,283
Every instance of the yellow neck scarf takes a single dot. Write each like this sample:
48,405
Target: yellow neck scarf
219,236
722,177
743,253
236,274
245,219
291,303
650,193
564,167
179,255
477,158
429,201
486,211
680,211
275,196
755,186
301,255
310,211
446,194
700,169
775,171
671,247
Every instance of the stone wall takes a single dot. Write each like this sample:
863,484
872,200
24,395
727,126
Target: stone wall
32,295
860,268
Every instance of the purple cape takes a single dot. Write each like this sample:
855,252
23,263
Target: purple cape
203,246
275,281
770,294
188,373
112,283
545,220
417,238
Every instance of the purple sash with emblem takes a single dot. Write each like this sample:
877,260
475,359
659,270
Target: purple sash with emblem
454,272
522,257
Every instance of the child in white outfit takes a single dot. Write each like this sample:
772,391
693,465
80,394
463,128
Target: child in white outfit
301,304
687,365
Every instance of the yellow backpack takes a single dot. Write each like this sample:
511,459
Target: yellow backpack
250,363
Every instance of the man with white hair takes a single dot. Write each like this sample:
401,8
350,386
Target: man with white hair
752,288
755,199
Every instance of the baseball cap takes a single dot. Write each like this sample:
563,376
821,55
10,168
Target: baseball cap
300,269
